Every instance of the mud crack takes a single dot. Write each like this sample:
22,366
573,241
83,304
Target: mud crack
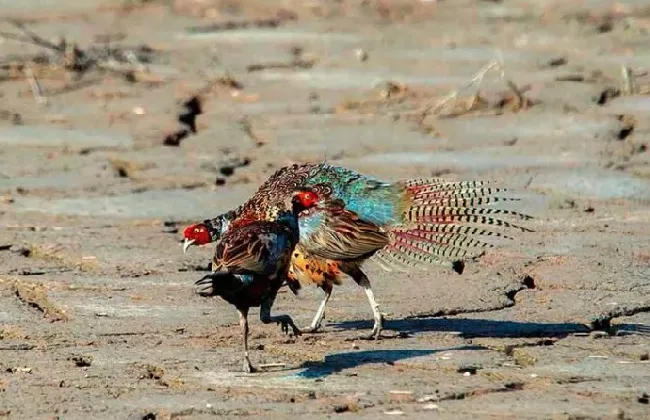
507,387
603,322
35,295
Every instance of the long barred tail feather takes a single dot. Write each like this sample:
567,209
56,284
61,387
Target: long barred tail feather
459,200
443,220
449,239
390,261
481,220
454,229
420,213
403,258
440,184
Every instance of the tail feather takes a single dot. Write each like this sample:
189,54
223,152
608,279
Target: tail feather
481,220
456,229
453,239
420,213
423,182
440,184
390,261
397,254
443,222
454,190
459,200
440,250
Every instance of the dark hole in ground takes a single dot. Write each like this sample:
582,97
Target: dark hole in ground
607,95
458,266
529,282
193,107
175,138
622,135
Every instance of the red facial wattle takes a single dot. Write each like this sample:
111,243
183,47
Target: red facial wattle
307,199
197,233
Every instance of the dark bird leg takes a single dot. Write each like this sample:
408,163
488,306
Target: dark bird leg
362,280
318,318
284,320
243,322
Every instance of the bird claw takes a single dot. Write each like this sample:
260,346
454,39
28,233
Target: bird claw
284,326
375,334
311,329
207,279
248,367
372,336
204,290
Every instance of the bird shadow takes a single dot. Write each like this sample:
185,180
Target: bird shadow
337,362
467,328
474,328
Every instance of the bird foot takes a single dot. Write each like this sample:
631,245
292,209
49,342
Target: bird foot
312,329
248,367
205,285
372,336
285,324
375,334
204,290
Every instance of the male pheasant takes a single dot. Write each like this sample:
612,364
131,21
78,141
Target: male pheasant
250,265
422,222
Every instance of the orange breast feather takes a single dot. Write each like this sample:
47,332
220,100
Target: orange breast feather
308,269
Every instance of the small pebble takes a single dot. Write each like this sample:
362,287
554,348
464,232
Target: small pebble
598,334
362,55
394,412
427,398
430,406
467,374
138,110
341,408
355,346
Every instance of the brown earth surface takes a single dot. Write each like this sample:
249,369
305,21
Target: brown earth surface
98,315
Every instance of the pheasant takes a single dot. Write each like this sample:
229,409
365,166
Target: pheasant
250,265
423,221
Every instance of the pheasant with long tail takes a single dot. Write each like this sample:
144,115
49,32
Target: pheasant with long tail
404,224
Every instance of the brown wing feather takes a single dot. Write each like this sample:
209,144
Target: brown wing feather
243,250
343,235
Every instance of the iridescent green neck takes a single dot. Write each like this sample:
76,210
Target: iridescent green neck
287,218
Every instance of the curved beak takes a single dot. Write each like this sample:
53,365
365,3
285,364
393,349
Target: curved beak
188,243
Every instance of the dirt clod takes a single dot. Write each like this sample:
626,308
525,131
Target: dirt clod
81,360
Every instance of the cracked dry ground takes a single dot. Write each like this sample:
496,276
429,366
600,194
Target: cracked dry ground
97,313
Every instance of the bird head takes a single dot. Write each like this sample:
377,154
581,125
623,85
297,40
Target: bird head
196,234
210,230
304,200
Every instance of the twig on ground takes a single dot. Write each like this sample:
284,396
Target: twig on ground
129,63
476,80
35,86
629,81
